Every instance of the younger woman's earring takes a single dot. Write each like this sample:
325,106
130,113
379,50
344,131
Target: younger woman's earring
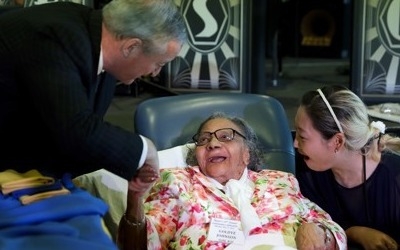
336,150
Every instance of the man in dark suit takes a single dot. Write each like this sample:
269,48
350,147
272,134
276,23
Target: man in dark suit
53,94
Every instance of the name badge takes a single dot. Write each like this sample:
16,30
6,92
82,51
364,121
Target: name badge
227,231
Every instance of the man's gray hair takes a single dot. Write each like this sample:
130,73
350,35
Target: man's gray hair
155,22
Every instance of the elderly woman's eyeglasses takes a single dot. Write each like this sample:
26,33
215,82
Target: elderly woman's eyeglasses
222,135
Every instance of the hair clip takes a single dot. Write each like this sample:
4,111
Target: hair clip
379,125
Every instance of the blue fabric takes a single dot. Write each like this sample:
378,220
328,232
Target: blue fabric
81,232
70,221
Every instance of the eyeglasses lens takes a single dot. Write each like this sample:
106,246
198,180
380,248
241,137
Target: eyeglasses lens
222,135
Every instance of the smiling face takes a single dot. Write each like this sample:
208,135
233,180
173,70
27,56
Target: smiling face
222,160
318,152
129,62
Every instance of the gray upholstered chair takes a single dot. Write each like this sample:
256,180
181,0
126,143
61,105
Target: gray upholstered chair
172,120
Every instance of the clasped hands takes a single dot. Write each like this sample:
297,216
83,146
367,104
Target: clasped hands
147,174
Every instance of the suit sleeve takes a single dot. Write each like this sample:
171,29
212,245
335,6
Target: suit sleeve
61,85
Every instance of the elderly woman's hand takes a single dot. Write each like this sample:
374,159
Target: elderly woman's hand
137,188
312,236
132,232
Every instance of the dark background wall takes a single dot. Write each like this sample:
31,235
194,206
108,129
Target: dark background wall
304,24
301,29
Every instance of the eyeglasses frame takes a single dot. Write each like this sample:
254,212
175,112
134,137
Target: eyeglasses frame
234,132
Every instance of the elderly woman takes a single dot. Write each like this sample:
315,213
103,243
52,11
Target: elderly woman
222,200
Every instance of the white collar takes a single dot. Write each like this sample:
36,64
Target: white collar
100,68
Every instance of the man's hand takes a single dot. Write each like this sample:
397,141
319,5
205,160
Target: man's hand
147,174
142,181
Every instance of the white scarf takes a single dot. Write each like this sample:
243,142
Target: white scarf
241,191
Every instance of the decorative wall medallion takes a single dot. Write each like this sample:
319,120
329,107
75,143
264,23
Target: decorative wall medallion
377,51
213,58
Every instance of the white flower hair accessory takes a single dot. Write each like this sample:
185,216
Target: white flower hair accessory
379,125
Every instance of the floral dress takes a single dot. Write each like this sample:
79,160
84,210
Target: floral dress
180,206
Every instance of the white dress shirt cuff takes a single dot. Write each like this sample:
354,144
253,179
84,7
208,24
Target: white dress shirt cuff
144,152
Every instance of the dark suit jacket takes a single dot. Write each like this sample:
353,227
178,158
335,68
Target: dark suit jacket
51,110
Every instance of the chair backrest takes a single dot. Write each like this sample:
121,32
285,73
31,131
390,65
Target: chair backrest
172,120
